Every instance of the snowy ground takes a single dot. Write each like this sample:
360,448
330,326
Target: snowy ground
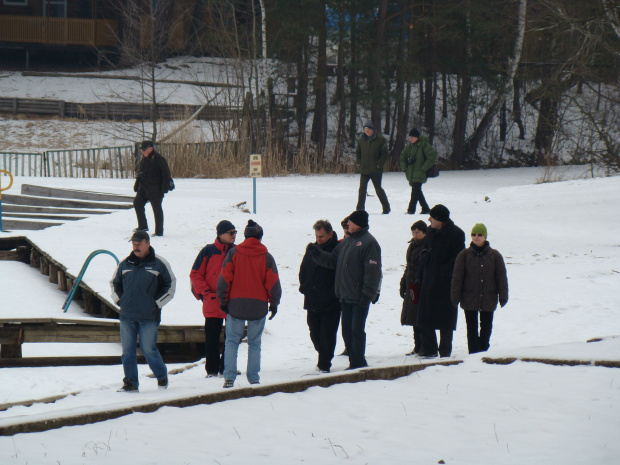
560,242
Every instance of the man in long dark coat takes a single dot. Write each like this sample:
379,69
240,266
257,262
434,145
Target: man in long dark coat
443,243
316,283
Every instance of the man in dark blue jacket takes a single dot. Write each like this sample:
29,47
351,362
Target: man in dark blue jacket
142,284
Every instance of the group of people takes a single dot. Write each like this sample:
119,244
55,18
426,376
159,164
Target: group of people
339,279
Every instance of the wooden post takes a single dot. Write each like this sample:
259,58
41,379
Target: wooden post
14,107
61,108
91,304
44,266
35,258
11,341
62,280
53,273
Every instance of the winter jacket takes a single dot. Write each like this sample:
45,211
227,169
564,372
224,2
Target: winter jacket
142,287
409,314
249,282
154,176
317,282
441,247
204,275
479,279
416,159
357,260
371,153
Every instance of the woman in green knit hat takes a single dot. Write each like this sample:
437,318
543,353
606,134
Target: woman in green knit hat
479,282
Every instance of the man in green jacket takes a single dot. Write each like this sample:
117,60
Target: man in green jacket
371,154
415,160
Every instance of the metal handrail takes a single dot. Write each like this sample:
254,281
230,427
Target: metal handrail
67,303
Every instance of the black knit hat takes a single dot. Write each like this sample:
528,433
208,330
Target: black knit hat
368,124
360,218
415,132
440,213
223,227
146,144
253,229
419,225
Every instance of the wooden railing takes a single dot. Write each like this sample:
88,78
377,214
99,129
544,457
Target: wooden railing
58,31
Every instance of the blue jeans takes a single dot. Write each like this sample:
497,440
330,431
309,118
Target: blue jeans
147,330
234,333
353,324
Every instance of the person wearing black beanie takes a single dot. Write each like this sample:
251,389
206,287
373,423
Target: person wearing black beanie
415,160
444,241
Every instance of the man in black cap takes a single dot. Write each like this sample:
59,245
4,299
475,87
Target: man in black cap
142,284
415,160
371,154
357,260
444,240
204,275
152,182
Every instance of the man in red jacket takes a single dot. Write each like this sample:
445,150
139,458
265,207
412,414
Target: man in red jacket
248,287
204,275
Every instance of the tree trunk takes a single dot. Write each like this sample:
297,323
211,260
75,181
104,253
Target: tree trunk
401,120
353,77
473,142
516,107
462,98
319,122
339,95
376,87
444,96
301,106
429,106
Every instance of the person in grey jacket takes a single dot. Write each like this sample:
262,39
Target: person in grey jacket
479,281
357,260
142,284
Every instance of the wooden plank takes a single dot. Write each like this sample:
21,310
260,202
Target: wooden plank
54,202
42,191
40,216
51,210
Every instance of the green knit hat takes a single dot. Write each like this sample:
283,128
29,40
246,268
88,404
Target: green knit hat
479,228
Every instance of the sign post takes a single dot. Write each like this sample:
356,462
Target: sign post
255,172
4,189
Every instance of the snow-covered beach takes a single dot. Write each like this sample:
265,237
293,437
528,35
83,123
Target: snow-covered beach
560,242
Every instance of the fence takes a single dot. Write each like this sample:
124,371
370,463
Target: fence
22,164
115,111
103,162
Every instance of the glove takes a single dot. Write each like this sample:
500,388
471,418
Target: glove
171,185
376,298
313,250
410,161
136,185
224,308
402,293
364,302
273,310
503,304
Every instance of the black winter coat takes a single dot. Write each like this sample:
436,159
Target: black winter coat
357,260
409,314
154,176
480,279
441,247
316,282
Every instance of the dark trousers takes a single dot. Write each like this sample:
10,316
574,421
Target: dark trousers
478,342
138,204
213,332
353,324
323,333
417,340
376,182
417,196
429,342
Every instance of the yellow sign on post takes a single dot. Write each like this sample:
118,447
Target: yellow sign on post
255,166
